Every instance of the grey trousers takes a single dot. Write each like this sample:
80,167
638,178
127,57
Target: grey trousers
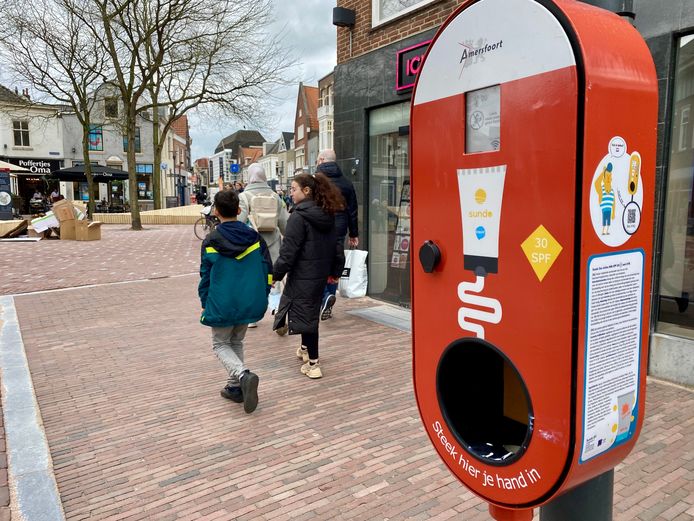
227,344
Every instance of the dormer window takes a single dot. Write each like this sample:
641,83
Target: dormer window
111,107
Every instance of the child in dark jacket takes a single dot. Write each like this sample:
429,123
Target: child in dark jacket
309,255
235,279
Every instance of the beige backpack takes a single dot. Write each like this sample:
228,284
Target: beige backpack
262,211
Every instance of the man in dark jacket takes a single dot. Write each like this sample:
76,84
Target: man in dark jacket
345,221
235,279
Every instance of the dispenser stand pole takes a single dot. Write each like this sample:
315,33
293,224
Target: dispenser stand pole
590,500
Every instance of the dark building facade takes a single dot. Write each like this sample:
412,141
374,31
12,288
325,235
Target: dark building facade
373,83
377,61
668,28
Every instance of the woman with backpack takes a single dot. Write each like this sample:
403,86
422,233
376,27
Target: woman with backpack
309,255
268,216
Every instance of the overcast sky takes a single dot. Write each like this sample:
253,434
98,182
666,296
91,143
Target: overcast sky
305,26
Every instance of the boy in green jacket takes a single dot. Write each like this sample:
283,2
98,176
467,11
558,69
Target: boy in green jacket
235,279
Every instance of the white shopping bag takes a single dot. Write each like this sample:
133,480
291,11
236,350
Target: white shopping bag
354,277
274,297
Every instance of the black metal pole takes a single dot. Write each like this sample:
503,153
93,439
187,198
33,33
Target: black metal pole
624,8
590,501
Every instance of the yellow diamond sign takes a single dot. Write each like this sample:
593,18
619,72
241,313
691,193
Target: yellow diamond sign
542,250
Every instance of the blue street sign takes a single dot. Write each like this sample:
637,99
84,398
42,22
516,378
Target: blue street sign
234,168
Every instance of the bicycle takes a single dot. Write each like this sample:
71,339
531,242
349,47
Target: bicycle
205,224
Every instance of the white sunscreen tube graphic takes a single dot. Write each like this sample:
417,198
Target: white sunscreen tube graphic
481,192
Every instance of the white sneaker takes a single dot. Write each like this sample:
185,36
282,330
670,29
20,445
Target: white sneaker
252,325
302,354
312,370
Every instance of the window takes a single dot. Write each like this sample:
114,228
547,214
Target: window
383,11
96,138
300,132
684,128
143,168
300,157
329,127
111,107
389,205
676,284
144,180
21,133
138,144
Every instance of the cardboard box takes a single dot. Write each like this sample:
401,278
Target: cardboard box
68,230
41,224
64,210
88,231
33,233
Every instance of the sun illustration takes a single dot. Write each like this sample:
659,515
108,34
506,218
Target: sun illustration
480,196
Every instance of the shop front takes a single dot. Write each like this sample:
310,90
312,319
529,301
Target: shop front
672,347
33,187
372,118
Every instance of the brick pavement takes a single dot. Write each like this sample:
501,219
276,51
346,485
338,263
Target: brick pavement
128,389
121,254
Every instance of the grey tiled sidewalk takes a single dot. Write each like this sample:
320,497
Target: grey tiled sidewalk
128,389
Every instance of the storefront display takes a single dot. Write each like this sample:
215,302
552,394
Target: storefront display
676,314
389,212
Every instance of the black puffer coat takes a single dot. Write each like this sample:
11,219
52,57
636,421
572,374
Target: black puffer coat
346,220
309,254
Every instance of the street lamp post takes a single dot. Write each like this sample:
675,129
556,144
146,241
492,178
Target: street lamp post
181,184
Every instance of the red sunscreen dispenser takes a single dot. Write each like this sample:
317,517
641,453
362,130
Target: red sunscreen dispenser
533,134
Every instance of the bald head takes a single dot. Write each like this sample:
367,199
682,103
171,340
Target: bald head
256,174
327,156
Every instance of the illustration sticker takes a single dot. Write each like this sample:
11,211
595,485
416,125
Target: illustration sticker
616,195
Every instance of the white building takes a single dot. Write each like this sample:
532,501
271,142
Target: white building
31,136
326,108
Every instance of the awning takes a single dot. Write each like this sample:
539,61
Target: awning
5,166
100,174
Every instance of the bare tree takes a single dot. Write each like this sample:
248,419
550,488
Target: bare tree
222,57
47,44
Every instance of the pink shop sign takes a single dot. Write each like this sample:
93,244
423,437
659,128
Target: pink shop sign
408,63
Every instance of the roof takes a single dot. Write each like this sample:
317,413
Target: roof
287,136
250,152
7,96
312,106
203,162
241,138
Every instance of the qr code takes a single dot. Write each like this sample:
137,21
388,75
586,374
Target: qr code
631,216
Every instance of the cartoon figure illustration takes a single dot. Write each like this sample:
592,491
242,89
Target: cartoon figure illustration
603,187
617,198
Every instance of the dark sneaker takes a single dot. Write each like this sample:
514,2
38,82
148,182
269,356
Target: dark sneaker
326,311
249,388
232,393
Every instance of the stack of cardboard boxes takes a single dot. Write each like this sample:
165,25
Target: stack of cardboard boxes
71,221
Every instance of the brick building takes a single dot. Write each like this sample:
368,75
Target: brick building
380,44
377,60
306,127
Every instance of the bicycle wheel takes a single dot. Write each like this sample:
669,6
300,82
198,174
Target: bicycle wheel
200,228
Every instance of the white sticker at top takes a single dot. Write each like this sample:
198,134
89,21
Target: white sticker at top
492,42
